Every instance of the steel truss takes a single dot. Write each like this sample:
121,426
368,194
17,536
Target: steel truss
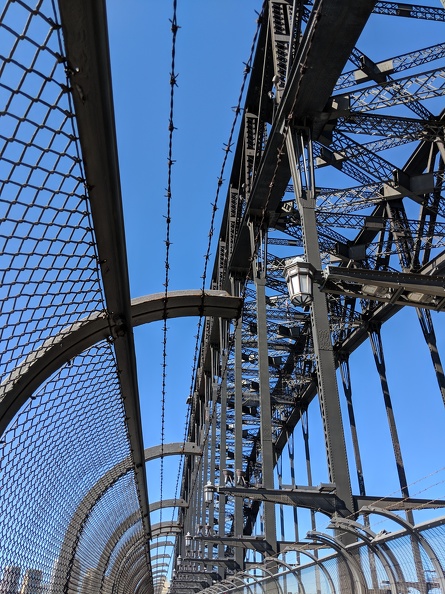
376,243
69,405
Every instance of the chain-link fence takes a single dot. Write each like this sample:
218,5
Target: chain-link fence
68,497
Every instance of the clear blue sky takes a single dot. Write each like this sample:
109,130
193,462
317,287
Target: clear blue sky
212,44
213,41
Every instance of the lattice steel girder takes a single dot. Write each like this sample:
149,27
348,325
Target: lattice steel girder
310,83
414,11
402,91
391,65
393,287
38,366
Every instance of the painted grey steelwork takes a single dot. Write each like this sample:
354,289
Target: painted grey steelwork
167,503
86,42
68,547
40,365
293,125
304,110
393,561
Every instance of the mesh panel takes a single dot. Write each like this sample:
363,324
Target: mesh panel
340,575
402,548
133,532
314,580
61,443
116,504
436,539
371,567
48,276
127,565
66,478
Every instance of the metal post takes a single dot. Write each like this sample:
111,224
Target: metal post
238,503
429,334
222,439
300,149
267,451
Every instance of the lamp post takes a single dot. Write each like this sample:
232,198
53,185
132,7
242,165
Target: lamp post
299,277
209,491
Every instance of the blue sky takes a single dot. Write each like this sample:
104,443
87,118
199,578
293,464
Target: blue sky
212,44
211,48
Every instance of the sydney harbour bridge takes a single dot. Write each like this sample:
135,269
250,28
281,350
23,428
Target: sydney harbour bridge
312,457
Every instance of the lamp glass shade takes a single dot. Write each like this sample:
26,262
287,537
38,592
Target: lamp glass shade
298,276
209,489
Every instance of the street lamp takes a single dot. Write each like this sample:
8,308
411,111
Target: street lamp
209,490
188,540
299,278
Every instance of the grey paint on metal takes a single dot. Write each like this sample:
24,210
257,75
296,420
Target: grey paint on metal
326,370
238,520
129,574
222,456
83,510
164,543
355,528
165,528
354,569
75,339
267,453
97,491
268,572
114,539
172,449
155,566
435,560
126,551
84,25
323,569
310,83
160,556
167,503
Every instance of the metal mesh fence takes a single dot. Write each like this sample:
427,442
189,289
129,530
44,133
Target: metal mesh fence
436,539
134,532
117,503
49,277
411,560
67,486
66,479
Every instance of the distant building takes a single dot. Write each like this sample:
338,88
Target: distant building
10,581
32,582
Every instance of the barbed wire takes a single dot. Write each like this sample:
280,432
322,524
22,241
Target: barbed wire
227,149
170,162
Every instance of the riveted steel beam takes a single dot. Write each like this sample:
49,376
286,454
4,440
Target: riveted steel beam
165,528
172,449
168,503
72,341
85,34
